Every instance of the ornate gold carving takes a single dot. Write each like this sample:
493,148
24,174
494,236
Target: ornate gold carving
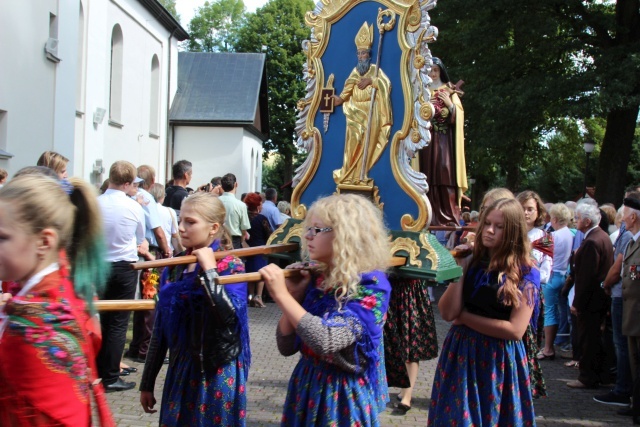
388,26
413,18
426,111
409,245
415,136
295,231
364,38
432,256
418,61
325,14
300,212
275,234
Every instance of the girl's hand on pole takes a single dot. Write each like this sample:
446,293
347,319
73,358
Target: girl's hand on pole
206,258
274,279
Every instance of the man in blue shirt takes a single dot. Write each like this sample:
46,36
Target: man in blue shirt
270,210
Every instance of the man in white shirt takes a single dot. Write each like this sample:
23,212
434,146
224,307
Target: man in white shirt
124,230
159,246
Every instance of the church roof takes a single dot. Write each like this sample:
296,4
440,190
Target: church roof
165,18
221,89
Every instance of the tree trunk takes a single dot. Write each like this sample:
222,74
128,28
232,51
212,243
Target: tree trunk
512,166
615,155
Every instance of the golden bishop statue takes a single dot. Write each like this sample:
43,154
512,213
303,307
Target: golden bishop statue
364,114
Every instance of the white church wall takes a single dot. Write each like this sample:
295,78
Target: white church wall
127,135
36,93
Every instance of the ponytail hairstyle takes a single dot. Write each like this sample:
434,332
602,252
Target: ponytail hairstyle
511,259
40,202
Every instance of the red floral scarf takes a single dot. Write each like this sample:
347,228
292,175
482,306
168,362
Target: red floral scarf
47,358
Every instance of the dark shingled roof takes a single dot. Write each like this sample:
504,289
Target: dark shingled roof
220,89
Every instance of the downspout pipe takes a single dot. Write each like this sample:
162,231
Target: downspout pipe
170,144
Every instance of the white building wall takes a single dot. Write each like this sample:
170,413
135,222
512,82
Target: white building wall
128,138
50,106
215,151
33,87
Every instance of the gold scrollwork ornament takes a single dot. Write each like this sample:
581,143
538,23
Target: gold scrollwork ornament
410,246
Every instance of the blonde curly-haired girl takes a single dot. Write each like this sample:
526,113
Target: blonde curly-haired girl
334,317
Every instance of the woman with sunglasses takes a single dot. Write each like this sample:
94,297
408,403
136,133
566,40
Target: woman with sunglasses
334,317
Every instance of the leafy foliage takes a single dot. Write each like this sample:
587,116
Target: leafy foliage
215,26
170,5
278,29
273,172
532,66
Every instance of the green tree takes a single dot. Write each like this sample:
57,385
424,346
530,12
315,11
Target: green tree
529,65
278,29
170,5
273,173
611,34
215,26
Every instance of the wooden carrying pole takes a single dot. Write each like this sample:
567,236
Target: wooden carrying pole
148,304
396,261
190,259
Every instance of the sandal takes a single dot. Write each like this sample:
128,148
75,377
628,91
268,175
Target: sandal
572,364
257,301
543,356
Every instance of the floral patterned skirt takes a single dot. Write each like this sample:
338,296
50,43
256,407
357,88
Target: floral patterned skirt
321,394
410,330
191,398
481,381
538,386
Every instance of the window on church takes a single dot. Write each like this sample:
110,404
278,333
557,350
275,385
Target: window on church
154,102
115,92
80,79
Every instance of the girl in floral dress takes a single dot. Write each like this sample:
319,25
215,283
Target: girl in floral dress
482,376
51,267
335,318
203,325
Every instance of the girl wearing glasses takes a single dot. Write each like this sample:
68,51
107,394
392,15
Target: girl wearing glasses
334,317
482,376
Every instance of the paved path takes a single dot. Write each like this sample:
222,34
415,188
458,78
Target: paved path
270,374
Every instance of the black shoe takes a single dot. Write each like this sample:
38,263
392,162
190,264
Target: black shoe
612,398
123,373
130,369
166,361
119,385
402,409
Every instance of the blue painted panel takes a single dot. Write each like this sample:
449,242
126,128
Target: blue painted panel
340,58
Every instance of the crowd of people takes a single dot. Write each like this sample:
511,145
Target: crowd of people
536,278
